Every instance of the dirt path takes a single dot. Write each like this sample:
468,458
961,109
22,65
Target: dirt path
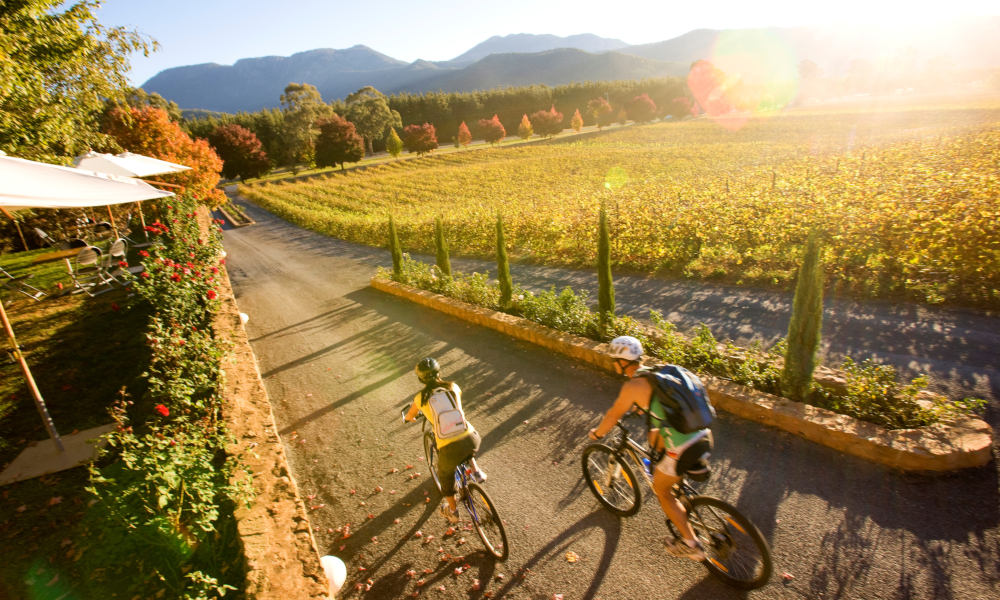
337,360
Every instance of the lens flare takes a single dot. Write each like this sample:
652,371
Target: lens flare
750,73
616,178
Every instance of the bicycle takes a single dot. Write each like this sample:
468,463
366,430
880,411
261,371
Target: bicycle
471,495
735,550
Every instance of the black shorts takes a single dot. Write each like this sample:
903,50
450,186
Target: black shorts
451,456
693,458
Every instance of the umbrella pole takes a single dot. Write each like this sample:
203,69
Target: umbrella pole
142,220
16,226
112,217
39,402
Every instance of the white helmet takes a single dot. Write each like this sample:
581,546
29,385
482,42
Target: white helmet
626,347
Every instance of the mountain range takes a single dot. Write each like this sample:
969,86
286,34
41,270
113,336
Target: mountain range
252,84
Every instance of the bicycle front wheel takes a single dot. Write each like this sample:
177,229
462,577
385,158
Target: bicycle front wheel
487,521
611,479
735,550
431,455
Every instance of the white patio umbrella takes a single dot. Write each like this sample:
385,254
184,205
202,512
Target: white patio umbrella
128,164
30,184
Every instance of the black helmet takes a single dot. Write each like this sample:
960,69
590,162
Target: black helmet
427,370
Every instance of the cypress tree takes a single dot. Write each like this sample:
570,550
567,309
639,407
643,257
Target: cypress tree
397,252
805,324
443,262
503,266
605,287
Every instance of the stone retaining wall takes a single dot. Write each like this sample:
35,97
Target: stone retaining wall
966,442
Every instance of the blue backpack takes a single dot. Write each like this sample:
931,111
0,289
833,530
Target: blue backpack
679,398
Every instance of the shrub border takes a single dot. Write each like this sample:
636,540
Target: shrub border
962,443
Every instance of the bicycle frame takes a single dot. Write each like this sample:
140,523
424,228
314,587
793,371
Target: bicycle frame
634,451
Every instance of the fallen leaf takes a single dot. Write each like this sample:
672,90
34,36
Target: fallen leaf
396,521
378,489
787,576
475,584
394,470
418,534
572,556
420,582
440,588
428,571
411,573
55,500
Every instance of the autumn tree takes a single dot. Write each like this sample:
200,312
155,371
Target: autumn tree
138,98
150,131
58,68
641,109
338,142
420,138
393,144
576,122
547,122
369,110
492,130
602,112
464,136
303,106
241,152
524,130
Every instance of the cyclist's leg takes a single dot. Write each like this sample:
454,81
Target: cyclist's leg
479,474
450,456
668,472
664,478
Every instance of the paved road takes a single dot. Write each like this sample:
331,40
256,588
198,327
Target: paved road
336,357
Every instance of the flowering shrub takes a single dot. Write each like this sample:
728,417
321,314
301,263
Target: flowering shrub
164,487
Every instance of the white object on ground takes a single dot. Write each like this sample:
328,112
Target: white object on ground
336,572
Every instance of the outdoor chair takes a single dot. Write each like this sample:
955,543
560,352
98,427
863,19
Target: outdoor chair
18,284
46,238
88,272
116,254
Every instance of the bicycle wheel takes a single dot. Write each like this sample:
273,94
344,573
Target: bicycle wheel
487,521
735,550
431,455
611,479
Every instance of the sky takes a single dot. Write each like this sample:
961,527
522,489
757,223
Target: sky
223,31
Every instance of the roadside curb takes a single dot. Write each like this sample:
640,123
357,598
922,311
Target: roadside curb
282,559
964,443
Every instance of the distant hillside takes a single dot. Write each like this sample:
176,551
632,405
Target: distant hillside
516,60
523,43
553,67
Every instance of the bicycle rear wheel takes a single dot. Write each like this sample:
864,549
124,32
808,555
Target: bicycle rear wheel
431,455
735,550
487,521
611,479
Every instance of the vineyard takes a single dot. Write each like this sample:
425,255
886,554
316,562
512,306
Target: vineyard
908,200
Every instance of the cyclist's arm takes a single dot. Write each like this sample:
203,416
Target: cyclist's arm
634,392
414,409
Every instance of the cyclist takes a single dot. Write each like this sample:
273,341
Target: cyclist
457,440
682,452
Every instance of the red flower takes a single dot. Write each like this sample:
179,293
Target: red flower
122,264
175,277
163,410
143,253
114,306
211,294
145,275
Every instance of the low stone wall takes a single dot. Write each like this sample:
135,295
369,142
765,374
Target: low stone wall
966,442
281,555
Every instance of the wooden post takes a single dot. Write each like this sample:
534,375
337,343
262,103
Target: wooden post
16,226
39,402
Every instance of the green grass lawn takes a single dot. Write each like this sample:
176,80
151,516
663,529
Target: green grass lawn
82,352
